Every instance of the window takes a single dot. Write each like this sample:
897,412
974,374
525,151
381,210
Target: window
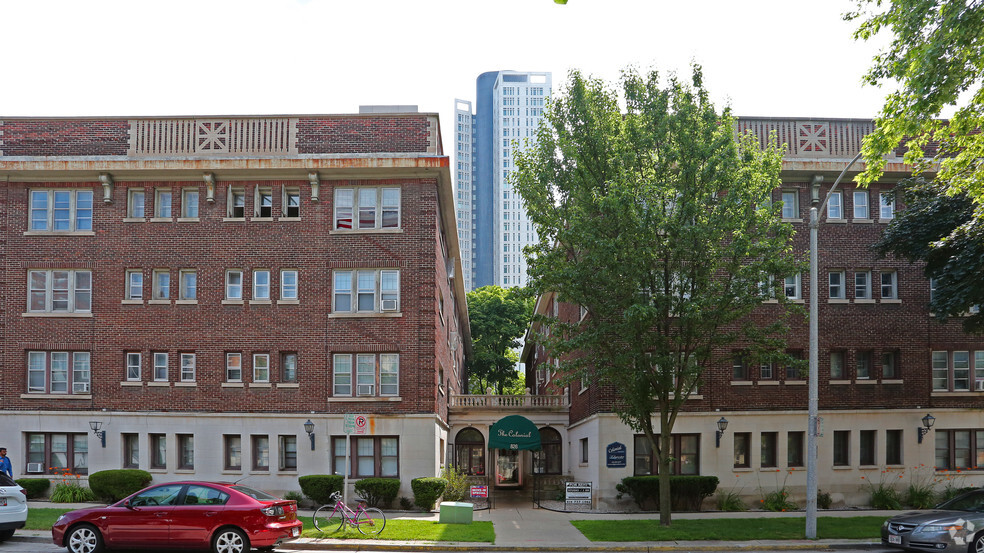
961,370
959,449
376,456
684,450
768,448
187,367
837,365
378,208
263,202
842,448
886,205
135,204
952,371
234,367
792,287
743,444
373,372
261,284
863,365
291,203
287,453
288,367
189,284
862,285
548,459
162,204
59,451
794,370
134,284
835,206
232,446
795,442
162,284
189,203
867,448
889,288
861,204
765,371
61,210
131,451
261,452
739,368
893,447
357,291
234,284
160,367
469,452
57,372
261,367
133,367
59,291
889,362
836,285
236,203
288,284
584,451
186,451
979,370
790,204
158,451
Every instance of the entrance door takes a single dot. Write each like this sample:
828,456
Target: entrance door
507,469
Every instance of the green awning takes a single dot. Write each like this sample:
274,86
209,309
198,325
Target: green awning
514,432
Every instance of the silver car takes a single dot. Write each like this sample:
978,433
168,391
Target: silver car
13,507
954,526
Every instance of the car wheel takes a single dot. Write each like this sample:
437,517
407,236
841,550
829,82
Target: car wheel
6,535
977,546
84,539
230,540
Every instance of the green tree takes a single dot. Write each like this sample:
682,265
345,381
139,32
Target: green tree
941,230
499,318
936,57
660,223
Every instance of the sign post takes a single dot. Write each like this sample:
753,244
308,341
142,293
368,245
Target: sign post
359,425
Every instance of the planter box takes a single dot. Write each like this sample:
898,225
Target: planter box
453,512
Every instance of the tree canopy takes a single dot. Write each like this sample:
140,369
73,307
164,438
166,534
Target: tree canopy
499,318
660,223
936,57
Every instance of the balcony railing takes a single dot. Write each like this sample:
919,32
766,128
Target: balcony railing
518,402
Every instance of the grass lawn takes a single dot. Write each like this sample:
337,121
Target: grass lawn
411,530
43,518
730,529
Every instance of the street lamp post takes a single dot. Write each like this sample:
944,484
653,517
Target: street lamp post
813,422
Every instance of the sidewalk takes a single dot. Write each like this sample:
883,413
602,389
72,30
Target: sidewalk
524,528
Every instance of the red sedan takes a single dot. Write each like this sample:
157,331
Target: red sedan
226,518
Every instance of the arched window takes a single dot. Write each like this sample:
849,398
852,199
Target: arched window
549,459
469,452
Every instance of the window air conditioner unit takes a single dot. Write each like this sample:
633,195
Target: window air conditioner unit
389,305
35,467
980,386
366,389
82,387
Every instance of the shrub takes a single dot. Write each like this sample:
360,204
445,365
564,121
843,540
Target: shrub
35,487
69,489
378,491
114,485
294,496
884,495
730,501
427,490
823,500
778,501
687,493
406,503
319,487
920,495
457,484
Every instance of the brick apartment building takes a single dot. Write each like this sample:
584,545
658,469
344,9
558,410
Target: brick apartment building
885,362
181,295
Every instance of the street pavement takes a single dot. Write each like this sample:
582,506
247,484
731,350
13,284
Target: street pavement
521,527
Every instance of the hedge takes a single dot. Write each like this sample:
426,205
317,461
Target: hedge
427,490
319,487
114,485
35,487
378,492
686,492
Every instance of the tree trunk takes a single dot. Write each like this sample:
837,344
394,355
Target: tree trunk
665,503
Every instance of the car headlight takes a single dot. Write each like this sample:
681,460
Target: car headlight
885,524
949,528
60,519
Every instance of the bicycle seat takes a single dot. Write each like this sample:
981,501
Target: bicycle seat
360,500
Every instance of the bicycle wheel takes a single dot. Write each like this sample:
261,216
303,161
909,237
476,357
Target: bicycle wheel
371,521
326,519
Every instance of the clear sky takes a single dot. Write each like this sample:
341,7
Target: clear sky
239,57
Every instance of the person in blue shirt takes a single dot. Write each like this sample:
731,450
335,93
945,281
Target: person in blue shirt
5,466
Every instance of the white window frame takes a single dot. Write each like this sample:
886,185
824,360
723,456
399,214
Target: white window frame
234,284
864,287
836,291
188,366
163,203
341,379
890,289
188,290
190,200
288,367
77,372
261,284
134,284
289,193
236,203
261,367
797,289
71,216
134,366
288,289
790,210
352,203
862,209
262,209
886,205
232,368
381,285
161,366
162,290
77,298
136,203
366,375
835,206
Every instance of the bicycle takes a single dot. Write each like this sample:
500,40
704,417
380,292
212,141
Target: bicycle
332,518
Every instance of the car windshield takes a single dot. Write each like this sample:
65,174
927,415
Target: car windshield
973,501
255,494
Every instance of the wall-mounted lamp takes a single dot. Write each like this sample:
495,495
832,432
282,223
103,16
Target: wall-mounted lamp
722,424
315,181
309,428
209,179
815,189
101,434
107,183
928,422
